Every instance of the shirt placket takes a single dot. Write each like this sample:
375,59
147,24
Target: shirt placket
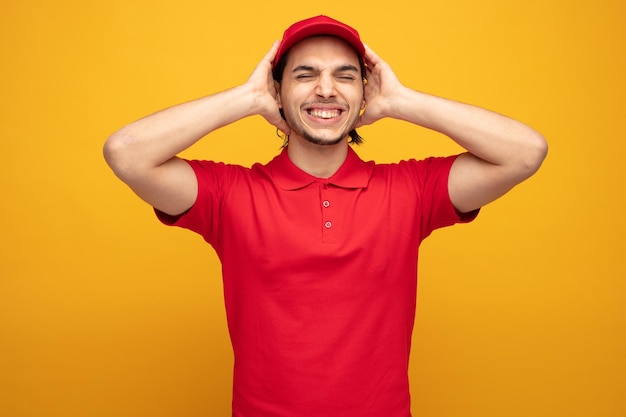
328,209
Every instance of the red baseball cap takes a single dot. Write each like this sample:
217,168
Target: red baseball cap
315,26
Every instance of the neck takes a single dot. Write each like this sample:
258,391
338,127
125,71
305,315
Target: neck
320,161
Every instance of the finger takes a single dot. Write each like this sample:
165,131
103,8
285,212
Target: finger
271,54
263,68
371,57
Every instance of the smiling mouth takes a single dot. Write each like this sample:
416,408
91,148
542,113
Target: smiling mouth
324,113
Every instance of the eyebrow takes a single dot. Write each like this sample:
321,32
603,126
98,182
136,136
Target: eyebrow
339,69
303,68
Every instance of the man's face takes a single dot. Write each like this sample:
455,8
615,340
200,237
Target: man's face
321,92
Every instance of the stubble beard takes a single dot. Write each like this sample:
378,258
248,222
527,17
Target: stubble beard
319,141
316,140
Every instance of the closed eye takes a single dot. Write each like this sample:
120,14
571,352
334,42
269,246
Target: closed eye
347,73
303,72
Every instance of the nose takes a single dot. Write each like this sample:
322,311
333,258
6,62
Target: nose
325,86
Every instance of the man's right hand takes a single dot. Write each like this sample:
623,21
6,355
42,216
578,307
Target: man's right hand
265,91
143,153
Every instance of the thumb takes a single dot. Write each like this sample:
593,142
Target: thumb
283,127
364,119
280,123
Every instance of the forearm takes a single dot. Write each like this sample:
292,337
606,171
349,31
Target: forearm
501,153
155,139
489,136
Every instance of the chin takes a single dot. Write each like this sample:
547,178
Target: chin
321,136
323,141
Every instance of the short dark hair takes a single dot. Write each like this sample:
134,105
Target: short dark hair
278,72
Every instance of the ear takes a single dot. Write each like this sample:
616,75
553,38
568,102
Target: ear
363,102
277,88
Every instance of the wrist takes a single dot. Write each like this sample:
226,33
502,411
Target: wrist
405,104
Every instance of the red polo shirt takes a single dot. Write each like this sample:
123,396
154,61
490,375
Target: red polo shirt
320,279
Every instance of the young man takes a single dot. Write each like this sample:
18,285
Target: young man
319,248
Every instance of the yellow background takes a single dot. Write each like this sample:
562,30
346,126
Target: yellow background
104,312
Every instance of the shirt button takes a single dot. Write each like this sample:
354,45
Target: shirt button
326,203
328,225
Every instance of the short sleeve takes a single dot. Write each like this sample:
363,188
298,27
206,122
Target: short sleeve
436,207
202,217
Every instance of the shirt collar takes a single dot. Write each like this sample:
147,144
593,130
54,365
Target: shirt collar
353,173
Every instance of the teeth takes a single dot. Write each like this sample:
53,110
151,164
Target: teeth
324,114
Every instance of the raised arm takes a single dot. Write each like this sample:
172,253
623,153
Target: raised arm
143,153
501,153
